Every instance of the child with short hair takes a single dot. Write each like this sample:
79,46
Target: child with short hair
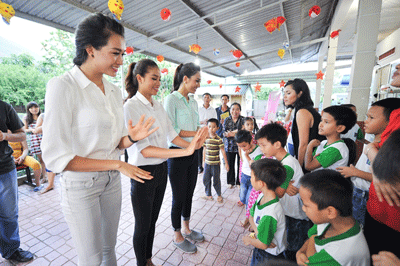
336,238
355,133
332,152
211,160
267,217
249,152
272,140
377,120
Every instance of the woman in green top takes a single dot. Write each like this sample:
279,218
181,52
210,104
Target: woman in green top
182,172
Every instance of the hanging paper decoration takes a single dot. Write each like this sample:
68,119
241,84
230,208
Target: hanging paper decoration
257,87
237,53
209,81
116,7
164,71
129,50
282,84
237,64
220,86
160,58
281,53
7,12
237,89
216,52
320,75
195,48
314,11
335,33
274,23
165,14
285,45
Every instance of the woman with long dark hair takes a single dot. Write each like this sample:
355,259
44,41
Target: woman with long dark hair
151,154
306,118
83,136
182,109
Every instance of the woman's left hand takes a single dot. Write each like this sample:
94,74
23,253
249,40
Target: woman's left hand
201,136
386,191
141,129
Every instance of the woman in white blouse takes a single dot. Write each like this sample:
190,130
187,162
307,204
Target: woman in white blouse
150,154
84,133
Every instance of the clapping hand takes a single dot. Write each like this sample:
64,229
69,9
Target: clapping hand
142,129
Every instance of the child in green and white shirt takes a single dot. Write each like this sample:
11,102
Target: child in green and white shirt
336,238
267,217
332,152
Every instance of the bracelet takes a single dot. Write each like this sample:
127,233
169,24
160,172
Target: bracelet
133,141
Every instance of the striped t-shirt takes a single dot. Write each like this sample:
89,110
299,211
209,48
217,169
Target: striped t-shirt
212,147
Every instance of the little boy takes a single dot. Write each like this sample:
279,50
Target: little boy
361,176
355,133
212,145
336,238
272,139
332,152
249,152
266,216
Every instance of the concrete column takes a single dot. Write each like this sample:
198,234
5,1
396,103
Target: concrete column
330,69
318,82
364,54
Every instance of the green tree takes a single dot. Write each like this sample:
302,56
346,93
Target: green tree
264,92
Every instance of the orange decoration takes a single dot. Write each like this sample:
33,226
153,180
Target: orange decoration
274,23
237,53
320,75
257,87
237,89
220,86
209,81
335,33
282,84
165,14
237,64
195,48
280,20
129,50
314,11
160,58
164,71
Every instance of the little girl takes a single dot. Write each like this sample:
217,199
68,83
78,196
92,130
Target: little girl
34,138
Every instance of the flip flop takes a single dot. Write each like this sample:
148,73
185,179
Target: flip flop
220,199
47,190
244,223
240,204
207,197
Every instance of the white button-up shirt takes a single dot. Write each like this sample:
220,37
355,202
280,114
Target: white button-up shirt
206,113
133,109
81,120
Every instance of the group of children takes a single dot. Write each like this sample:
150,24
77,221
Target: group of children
316,218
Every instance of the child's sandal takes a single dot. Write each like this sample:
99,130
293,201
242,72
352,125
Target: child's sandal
240,204
220,199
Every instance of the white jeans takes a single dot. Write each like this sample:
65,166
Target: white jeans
91,203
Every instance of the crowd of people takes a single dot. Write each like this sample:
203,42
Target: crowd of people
306,197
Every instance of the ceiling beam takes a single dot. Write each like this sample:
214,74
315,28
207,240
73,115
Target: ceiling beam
146,34
209,23
286,32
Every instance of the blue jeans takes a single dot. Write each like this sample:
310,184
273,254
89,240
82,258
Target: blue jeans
360,198
212,171
260,257
245,188
9,229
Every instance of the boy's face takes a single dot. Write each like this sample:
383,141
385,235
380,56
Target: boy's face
244,146
310,207
376,121
212,128
257,184
267,148
327,126
224,100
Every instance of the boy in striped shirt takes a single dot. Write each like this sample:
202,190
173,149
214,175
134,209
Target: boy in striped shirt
211,160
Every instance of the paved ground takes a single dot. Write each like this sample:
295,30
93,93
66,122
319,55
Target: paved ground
44,231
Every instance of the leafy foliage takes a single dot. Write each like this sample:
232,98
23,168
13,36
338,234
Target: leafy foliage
264,92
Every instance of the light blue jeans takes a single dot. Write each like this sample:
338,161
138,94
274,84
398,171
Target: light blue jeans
245,188
91,203
9,229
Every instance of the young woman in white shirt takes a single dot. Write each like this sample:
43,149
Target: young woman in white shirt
84,133
151,154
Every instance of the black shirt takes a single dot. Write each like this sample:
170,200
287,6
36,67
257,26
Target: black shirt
8,120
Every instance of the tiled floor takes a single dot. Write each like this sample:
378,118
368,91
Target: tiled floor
44,231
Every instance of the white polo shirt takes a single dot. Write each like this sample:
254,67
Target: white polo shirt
81,120
133,109
206,113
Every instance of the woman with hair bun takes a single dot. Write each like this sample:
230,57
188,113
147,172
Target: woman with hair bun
83,136
151,154
182,109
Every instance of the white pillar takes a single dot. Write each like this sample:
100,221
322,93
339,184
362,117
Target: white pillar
318,82
330,69
364,54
